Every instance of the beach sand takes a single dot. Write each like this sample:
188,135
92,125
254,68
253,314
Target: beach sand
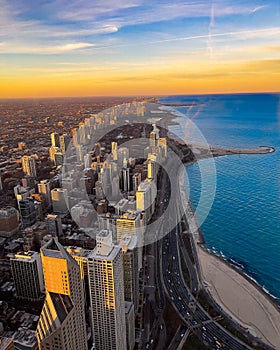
240,298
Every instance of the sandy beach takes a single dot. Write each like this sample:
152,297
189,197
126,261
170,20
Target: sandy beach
240,298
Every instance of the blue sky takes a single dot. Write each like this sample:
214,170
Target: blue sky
135,37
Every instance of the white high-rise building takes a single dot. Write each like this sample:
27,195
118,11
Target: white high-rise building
105,269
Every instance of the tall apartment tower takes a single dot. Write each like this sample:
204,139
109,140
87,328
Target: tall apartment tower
54,225
29,165
28,213
64,141
44,188
105,271
28,275
114,150
128,244
55,139
59,200
128,223
62,324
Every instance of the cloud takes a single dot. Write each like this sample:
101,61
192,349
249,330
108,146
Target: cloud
210,28
242,35
258,8
55,49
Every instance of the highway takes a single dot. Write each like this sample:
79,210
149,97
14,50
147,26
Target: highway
181,297
164,275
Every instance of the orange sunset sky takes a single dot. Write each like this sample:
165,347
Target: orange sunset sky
82,48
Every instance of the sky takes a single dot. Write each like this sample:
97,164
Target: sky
54,48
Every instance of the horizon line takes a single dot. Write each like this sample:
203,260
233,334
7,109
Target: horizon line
140,95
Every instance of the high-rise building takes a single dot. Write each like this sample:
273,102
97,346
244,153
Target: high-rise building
122,153
125,180
128,244
28,212
53,151
44,188
55,139
54,225
108,221
162,143
114,150
81,256
29,165
62,324
59,200
105,270
128,223
27,275
151,169
64,141
136,179
9,221
130,325
58,158
75,136
145,198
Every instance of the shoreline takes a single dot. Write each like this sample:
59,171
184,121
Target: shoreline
231,285
240,297
238,294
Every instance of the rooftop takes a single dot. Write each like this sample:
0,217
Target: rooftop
62,304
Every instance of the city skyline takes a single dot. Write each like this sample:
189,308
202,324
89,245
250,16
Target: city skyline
57,48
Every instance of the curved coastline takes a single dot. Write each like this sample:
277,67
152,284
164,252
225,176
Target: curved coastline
212,264
202,243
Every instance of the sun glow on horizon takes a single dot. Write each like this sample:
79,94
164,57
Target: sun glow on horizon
138,49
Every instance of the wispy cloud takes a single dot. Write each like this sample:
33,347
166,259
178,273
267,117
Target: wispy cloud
55,49
258,8
242,35
210,28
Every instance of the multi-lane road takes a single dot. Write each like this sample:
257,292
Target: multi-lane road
182,298
164,277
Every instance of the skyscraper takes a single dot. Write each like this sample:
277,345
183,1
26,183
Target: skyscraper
128,223
64,141
105,270
128,244
44,188
29,165
62,322
130,325
55,139
54,225
27,275
59,200
28,213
